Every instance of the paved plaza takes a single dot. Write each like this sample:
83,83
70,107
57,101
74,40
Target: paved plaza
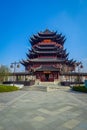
62,109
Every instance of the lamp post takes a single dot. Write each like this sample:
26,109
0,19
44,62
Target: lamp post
14,65
80,66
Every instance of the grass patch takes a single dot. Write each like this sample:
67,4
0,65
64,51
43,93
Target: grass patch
4,88
80,89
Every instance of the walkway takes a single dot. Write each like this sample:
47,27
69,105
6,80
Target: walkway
37,110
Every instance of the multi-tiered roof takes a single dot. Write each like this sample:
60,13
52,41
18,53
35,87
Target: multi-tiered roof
47,47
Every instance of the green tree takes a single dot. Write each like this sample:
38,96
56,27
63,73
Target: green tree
4,70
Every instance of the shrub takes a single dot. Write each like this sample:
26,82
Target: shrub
80,88
4,88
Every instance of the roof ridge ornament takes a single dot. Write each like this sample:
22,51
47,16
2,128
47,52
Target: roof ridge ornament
47,31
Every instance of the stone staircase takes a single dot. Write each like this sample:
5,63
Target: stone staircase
46,83
35,88
44,88
56,82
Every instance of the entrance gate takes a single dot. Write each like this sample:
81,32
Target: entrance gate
47,77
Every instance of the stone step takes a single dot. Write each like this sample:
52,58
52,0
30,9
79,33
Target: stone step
34,87
43,88
46,83
38,88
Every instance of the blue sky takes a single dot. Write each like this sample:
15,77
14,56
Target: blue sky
20,19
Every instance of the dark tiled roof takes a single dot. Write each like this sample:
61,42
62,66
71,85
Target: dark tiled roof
47,68
46,47
47,32
47,60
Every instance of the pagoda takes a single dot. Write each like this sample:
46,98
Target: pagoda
47,58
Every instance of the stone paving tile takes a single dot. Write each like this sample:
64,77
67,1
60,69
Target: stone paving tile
61,128
77,128
84,115
45,111
70,115
55,112
53,107
71,124
9,96
38,118
54,124
1,128
81,126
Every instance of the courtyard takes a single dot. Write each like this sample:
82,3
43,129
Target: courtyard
62,109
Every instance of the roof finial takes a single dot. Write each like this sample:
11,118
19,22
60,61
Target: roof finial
47,31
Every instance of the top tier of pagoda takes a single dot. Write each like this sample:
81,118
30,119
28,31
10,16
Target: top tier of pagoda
47,34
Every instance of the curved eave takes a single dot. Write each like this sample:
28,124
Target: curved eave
34,40
59,35
24,62
30,55
67,54
30,51
38,47
43,37
60,41
71,62
64,56
46,52
47,60
35,36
